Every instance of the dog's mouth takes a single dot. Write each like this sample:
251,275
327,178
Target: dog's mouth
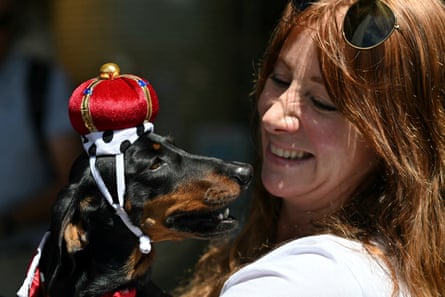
201,224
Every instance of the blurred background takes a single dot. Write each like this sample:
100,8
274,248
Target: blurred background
199,55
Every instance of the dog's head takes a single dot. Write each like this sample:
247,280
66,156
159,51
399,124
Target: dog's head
196,194
170,195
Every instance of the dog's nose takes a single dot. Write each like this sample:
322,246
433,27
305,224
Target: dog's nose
242,172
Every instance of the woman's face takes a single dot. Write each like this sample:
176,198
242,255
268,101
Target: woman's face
312,156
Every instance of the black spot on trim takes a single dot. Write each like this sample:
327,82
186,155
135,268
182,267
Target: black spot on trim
108,136
92,150
124,146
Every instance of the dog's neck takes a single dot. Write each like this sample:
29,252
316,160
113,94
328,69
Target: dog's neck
34,284
36,289
107,265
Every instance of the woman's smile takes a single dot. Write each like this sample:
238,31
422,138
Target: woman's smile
289,154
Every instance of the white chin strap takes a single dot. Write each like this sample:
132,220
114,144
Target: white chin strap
114,143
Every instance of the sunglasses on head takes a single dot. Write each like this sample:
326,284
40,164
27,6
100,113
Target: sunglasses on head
367,23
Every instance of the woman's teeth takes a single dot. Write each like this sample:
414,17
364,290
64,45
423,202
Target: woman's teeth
287,154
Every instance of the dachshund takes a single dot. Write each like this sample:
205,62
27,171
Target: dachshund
170,195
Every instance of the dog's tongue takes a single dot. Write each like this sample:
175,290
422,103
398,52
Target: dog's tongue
123,293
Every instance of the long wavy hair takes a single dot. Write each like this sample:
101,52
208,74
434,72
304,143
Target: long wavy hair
394,95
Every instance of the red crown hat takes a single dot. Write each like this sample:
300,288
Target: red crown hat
112,101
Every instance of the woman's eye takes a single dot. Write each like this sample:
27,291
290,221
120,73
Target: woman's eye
322,105
279,81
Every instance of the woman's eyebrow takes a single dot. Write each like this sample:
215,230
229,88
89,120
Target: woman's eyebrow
281,62
317,79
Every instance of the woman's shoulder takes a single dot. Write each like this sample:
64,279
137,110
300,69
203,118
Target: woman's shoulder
325,245
322,265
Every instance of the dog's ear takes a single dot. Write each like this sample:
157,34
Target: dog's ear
72,232
75,237
55,261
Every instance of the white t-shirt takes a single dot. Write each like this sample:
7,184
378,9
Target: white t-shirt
314,266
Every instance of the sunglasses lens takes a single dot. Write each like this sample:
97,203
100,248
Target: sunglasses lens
368,23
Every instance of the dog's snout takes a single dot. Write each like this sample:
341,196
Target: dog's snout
241,172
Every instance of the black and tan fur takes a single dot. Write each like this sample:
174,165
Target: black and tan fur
171,195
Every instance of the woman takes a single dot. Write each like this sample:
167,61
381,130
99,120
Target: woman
352,129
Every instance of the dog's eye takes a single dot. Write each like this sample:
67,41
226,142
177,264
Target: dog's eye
157,163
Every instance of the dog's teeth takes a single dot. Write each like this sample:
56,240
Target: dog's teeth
226,213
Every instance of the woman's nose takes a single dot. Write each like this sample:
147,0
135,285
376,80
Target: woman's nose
281,118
